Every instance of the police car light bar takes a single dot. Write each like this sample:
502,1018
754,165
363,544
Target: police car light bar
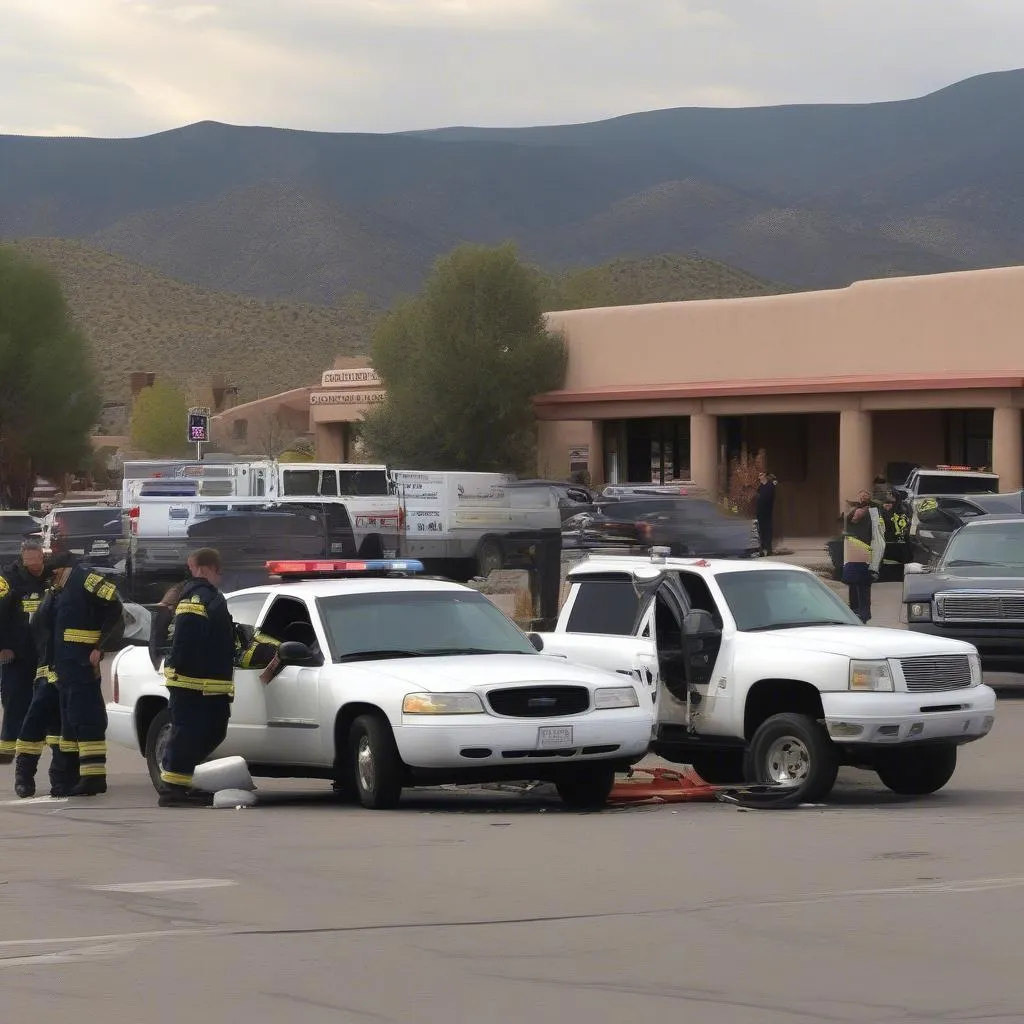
329,568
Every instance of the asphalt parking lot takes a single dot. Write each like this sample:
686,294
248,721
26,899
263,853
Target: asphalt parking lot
501,908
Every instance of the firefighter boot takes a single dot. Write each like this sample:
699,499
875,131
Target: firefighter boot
90,785
25,775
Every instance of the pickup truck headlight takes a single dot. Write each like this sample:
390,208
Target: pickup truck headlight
976,673
442,704
615,697
919,611
870,676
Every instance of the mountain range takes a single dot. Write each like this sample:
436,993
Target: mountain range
813,195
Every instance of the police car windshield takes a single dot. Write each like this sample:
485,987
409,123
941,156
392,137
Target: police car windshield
781,599
424,623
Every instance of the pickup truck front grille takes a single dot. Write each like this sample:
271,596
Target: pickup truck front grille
539,701
981,607
936,673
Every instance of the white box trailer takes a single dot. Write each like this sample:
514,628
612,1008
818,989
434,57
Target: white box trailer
468,524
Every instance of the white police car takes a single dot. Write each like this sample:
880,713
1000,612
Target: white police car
386,681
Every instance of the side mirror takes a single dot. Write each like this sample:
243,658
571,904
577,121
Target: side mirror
699,623
537,640
647,580
293,652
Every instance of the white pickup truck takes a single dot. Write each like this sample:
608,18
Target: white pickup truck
760,673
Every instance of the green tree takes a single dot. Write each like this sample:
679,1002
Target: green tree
160,421
49,398
461,364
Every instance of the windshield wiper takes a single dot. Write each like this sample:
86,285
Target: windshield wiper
443,651
380,655
797,625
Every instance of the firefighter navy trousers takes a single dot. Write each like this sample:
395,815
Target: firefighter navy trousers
16,680
84,713
42,728
199,723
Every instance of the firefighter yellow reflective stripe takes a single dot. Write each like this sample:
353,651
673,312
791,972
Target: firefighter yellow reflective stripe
32,749
857,541
219,688
106,592
8,746
51,675
53,741
258,640
92,769
193,606
5,587
92,748
208,686
68,746
92,581
81,636
175,778
30,605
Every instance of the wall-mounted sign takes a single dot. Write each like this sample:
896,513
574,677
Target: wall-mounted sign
364,376
347,397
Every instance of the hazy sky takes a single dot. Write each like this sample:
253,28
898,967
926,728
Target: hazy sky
124,67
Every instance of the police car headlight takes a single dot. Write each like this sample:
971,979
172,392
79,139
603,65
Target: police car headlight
976,672
615,697
870,676
442,704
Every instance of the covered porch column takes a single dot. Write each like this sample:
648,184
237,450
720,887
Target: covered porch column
1007,447
330,442
704,450
855,470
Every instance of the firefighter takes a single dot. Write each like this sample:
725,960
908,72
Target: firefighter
22,587
42,725
88,616
199,673
259,653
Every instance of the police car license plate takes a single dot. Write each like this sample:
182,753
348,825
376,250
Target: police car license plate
554,737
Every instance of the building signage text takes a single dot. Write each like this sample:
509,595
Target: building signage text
363,376
347,397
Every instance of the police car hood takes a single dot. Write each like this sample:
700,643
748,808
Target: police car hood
482,672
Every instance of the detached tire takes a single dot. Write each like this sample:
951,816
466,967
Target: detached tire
587,787
719,767
377,772
156,743
793,750
917,772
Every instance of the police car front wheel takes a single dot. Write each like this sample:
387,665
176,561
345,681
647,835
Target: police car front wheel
376,766
157,735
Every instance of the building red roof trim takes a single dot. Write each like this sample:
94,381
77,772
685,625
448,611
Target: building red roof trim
790,386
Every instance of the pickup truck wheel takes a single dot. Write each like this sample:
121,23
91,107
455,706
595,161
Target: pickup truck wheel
377,769
917,772
718,767
587,787
156,743
489,558
793,750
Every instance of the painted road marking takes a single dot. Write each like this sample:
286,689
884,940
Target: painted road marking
172,885
35,800
67,956
69,940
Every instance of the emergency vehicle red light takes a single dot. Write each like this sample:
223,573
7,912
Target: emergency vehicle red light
324,567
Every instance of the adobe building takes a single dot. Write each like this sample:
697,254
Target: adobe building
832,384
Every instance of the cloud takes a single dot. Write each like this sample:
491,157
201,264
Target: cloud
129,67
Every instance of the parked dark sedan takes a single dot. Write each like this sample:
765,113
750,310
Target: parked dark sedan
16,527
976,591
687,526
935,519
